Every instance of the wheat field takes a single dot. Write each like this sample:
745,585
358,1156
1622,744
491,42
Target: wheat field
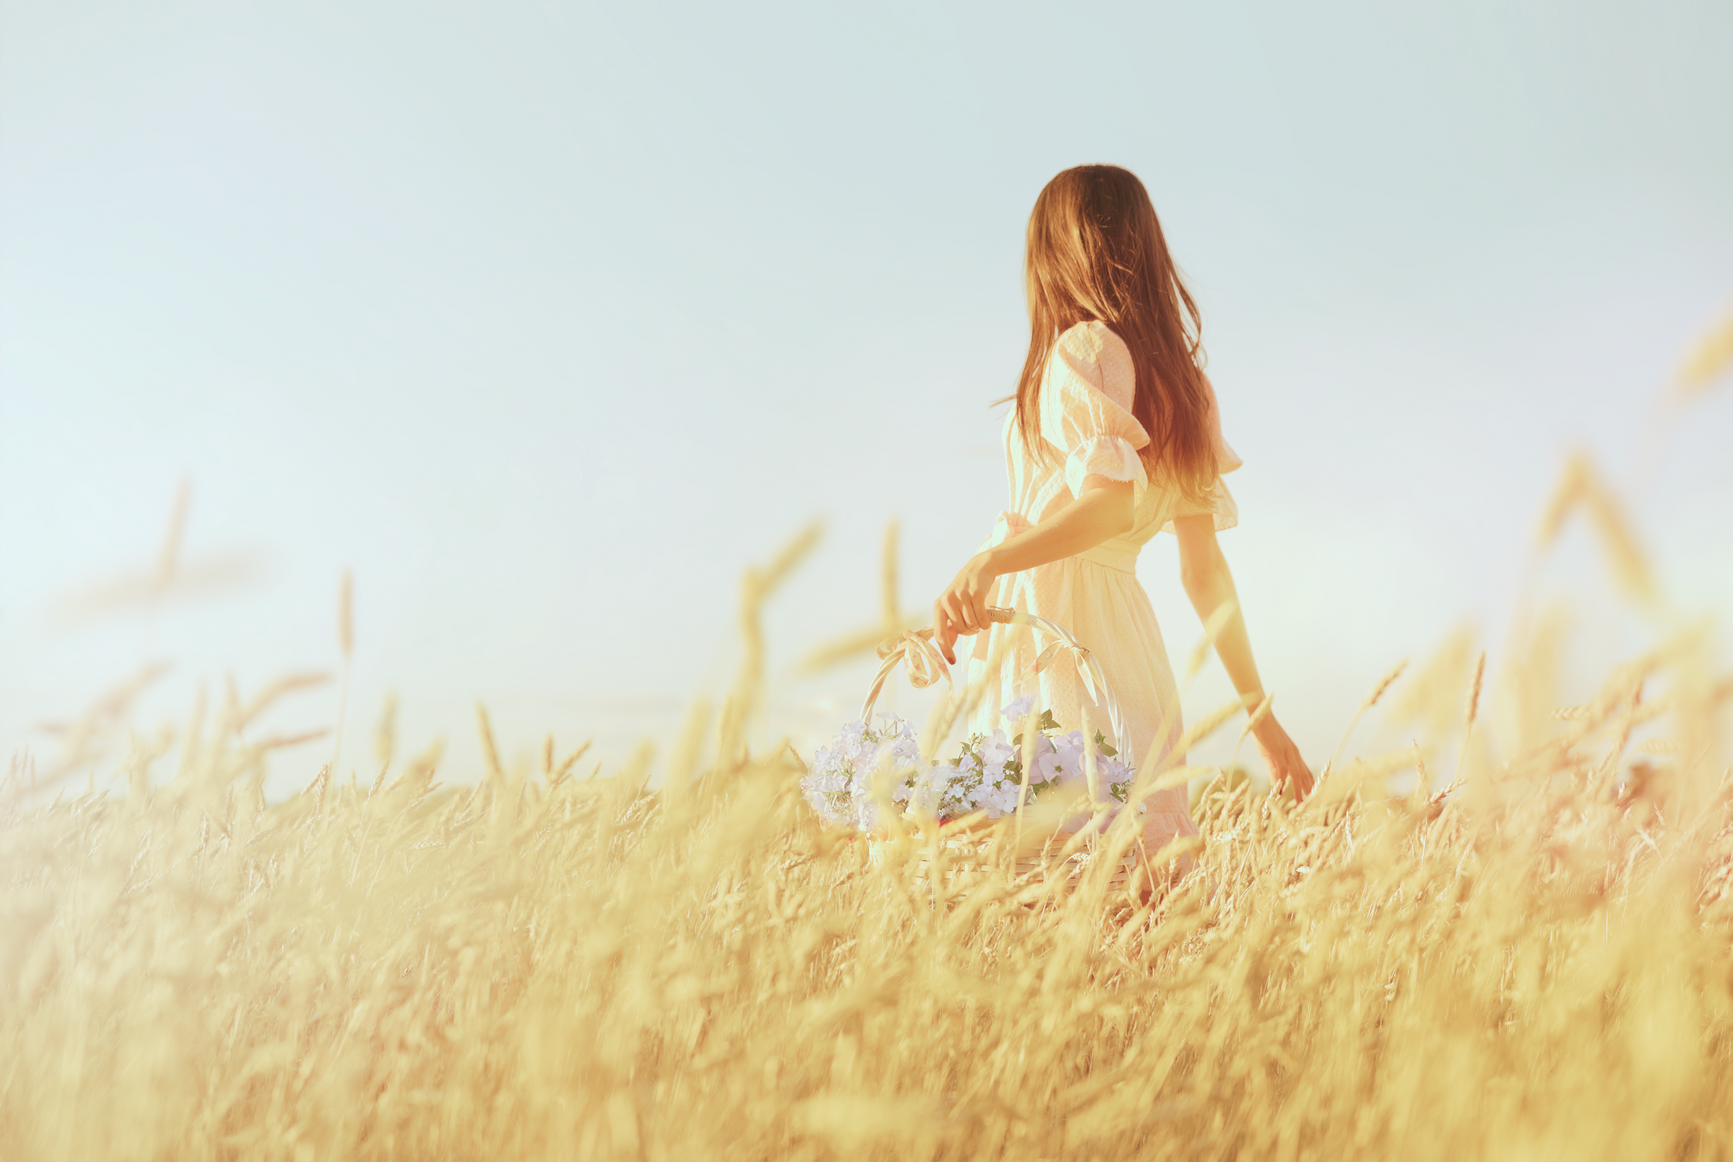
1530,955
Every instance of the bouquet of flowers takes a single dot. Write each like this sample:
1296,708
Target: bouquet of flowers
986,774
839,786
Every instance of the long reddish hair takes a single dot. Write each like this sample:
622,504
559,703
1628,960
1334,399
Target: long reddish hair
1096,251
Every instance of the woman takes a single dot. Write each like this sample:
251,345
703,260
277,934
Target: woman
1115,436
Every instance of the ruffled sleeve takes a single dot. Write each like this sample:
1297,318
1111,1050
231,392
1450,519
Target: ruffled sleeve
1086,408
1218,501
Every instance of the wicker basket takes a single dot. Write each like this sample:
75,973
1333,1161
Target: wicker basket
969,848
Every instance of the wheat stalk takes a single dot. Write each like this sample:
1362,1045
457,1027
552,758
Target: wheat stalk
1366,704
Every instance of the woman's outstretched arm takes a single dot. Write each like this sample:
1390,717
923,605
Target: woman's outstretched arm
1104,509
1204,572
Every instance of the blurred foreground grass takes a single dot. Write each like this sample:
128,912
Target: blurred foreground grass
1536,963
544,966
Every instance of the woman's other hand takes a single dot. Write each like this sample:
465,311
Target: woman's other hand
1282,757
961,610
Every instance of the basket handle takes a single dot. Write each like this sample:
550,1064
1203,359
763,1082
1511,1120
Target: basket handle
925,665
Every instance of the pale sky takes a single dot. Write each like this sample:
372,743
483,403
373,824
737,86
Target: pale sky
547,320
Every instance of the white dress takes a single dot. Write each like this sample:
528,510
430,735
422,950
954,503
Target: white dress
1088,430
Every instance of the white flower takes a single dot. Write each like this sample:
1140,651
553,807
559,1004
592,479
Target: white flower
895,726
860,760
995,753
1070,748
931,787
869,760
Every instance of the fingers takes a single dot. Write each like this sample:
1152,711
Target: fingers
1303,780
978,612
1295,771
957,613
960,608
1287,768
945,631
944,634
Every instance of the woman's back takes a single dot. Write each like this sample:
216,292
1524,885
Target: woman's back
1088,489
1087,429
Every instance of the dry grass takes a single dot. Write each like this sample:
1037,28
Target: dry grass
548,966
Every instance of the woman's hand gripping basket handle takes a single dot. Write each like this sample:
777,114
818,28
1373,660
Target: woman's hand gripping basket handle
925,665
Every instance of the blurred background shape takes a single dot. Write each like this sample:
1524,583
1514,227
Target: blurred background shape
546,320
